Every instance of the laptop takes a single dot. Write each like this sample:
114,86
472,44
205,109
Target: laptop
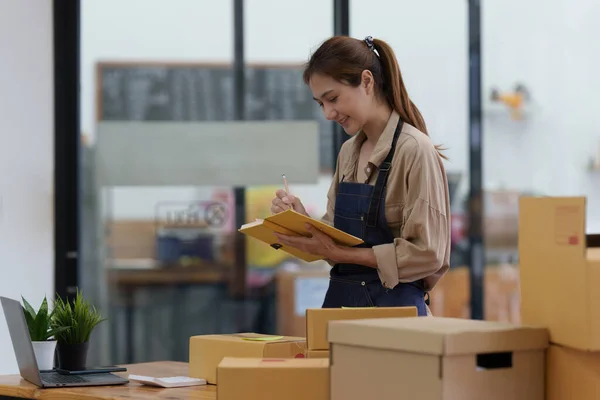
21,341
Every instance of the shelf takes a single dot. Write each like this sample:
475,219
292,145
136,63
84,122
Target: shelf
121,274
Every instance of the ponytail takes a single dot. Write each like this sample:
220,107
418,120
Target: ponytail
395,91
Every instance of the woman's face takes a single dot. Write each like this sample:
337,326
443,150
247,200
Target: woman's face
348,106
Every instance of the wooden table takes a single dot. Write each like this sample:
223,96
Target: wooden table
13,386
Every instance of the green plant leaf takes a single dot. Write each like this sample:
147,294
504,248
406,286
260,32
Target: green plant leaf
55,331
42,324
30,322
29,310
29,316
38,323
78,319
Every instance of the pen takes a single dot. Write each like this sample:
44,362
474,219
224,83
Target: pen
287,188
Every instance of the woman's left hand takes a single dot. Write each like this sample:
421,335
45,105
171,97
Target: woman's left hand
318,244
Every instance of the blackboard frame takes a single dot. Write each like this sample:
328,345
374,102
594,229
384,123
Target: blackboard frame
101,66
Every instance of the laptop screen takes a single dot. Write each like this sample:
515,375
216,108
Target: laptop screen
21,341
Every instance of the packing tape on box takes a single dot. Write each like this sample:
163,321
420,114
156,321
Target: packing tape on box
263,339
254,336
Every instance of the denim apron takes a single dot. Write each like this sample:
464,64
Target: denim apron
360,211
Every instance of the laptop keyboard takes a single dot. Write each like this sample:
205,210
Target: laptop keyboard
58,378
100,379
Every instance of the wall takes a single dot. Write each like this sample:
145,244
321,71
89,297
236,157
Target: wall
26,158
550,47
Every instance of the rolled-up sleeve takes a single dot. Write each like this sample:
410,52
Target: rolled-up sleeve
421,249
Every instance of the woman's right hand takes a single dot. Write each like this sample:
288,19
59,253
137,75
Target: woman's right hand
283,202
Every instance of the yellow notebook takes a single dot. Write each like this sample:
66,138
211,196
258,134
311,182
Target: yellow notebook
292,223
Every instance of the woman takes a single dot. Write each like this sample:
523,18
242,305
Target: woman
389,187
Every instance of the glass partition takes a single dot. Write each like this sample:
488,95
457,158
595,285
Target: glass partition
159,218
159,229
540,119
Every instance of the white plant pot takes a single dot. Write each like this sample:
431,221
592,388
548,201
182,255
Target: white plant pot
44,353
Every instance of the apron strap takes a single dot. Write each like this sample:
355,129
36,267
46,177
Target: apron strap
378,191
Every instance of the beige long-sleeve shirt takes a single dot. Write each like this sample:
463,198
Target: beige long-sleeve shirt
417,204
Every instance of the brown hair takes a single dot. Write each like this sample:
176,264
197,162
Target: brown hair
345,58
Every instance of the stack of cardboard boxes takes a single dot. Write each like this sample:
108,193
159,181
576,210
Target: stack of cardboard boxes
254,366
560,289
359,353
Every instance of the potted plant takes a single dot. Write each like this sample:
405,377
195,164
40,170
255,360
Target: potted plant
41,333
79,318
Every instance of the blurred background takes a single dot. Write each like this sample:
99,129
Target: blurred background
159,254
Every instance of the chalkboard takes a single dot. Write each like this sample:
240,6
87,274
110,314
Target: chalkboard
204,92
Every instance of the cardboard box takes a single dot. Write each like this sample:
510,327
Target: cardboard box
299,288
207,351
273,379
317,353
501,219
502,301
572,374
434,358
318,318
559,271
